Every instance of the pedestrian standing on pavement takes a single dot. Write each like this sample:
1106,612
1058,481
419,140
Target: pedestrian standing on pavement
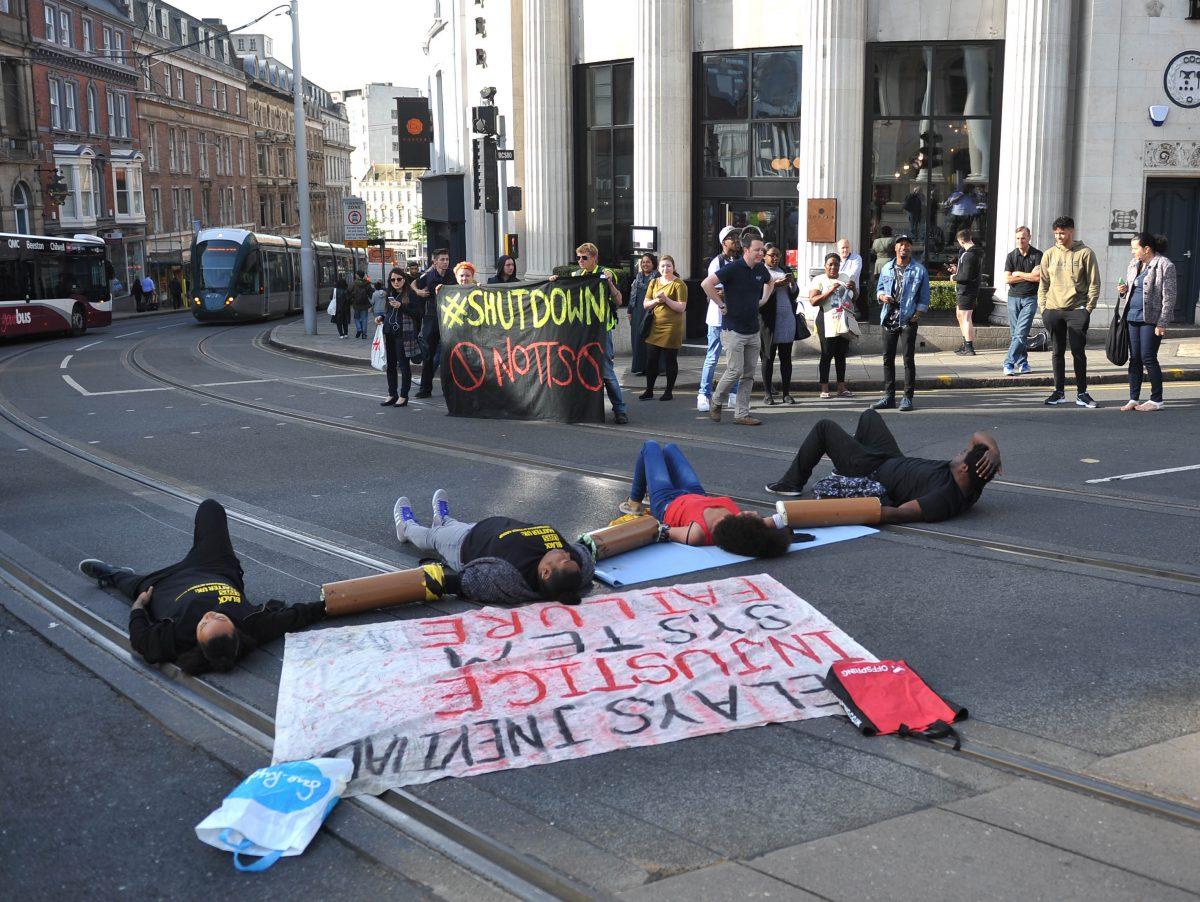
506,271
363,291
426,287
196,612
731,248
587,255
829,293
647,270
378,297
148,289
135,289
400,324
1067,294
745,286
903,290
1151,286
967,274
777,333
665,302
345,303
175,292
850,271
1022,273
883,249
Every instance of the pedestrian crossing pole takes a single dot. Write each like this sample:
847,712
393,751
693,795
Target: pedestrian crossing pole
308,274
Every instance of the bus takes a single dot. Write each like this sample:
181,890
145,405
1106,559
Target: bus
53,284
240,275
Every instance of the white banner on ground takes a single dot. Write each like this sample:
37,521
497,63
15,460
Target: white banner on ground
417,700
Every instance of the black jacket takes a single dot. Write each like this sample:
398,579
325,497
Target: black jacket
157,642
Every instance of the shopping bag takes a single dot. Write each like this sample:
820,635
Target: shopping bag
378,355
332,308
882,697
276,811
836,323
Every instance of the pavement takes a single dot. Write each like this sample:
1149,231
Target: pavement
1089,670
1179,357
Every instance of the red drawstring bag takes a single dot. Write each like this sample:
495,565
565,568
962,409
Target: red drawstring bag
882,697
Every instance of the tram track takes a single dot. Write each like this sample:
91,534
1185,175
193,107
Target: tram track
1013,550
531,878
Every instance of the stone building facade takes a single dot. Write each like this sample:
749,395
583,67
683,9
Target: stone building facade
20,181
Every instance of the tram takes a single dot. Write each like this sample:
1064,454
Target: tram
53,284
240,275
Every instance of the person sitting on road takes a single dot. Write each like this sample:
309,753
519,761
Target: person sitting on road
195,612
498,559
917,489
694,517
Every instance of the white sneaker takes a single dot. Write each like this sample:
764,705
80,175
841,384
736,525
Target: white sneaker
402,514
1148,406
702,403
441,507
1129,405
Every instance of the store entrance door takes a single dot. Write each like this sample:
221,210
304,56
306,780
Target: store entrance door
778,220
1173,210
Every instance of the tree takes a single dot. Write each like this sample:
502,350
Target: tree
418,232
373,230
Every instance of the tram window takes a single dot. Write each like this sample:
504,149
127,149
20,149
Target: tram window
328,273
277,271
249,279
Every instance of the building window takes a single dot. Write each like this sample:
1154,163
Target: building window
156,210
224,98
212,85
176,210
51,31
604,151
80,205
152,146
185,153
199,93
70,96
93,111
20,202
241,157
262,160
237,103
55,103
245,206
172,159
118,114
127,191
747,113
932,155
189,212
179,83
166,70
227,146
119,46
264,210
241,43
88,41
64,28
106,40
201,153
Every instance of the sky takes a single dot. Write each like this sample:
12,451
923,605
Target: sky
343,43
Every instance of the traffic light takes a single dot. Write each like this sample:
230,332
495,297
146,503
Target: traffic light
930,155
483,120
487,176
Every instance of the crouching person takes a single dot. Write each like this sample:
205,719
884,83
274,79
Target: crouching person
694,517
498,559
195,613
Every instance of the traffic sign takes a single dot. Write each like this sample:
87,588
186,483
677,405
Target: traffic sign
506,156
356,242
354,219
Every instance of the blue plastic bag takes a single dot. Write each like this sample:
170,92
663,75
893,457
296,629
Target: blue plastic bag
276,810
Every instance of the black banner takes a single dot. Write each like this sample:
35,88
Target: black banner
525,350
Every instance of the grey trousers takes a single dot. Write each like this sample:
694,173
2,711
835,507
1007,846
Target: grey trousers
444,539
741,355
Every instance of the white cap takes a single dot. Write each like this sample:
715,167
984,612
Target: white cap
727,231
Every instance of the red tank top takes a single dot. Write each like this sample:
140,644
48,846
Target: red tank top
688,509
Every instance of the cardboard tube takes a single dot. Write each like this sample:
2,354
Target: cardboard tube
613,540
831,512
386,590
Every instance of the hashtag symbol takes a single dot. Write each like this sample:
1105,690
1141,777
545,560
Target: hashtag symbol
454,308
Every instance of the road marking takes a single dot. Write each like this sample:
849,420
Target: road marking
22,449
65,361
1144,473
91,345
94,394
94,443
127,334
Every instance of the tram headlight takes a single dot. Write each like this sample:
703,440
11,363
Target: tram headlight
228,301
196,301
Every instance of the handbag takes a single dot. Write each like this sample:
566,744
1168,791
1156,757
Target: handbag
1116,347
647,323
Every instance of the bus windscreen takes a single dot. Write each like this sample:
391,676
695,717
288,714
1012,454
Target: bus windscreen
216,264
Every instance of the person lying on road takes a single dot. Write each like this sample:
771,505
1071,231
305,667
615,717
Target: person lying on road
690,515
918,489
195,612
498,559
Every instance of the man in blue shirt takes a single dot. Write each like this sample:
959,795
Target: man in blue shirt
426,286
746,285
903,290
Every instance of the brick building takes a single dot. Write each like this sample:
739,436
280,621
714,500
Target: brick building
336,149
273,130
20,191
192,115
84,87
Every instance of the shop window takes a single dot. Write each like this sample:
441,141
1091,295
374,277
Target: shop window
604,155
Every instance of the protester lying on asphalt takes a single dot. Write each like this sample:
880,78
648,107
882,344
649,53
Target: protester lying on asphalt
498,559
917,488
195,612
694,517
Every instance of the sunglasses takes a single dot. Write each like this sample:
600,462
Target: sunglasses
396,279
583,256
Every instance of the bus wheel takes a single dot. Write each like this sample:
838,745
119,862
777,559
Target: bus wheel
78,320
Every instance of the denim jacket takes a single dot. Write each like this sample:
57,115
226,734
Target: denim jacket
912,294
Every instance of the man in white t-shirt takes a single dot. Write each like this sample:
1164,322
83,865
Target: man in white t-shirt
731,249
851,271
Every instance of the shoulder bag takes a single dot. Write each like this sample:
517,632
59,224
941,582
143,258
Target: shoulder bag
1116,347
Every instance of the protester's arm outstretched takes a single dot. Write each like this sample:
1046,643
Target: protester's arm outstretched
276,618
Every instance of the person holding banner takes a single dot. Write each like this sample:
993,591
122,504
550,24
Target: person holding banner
665,302
694,517
426,287
506,271
498,559
399,320
588,257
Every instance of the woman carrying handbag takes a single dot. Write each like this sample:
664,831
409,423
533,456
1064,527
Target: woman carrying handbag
662,327
833,301
1151,287
400,326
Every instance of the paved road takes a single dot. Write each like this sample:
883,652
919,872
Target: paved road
1084,667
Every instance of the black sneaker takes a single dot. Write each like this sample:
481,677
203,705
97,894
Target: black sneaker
1056,397
101,572
782,488
620,418
424,394
884,403
1083,399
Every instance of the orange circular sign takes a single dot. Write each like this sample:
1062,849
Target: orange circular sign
415,126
